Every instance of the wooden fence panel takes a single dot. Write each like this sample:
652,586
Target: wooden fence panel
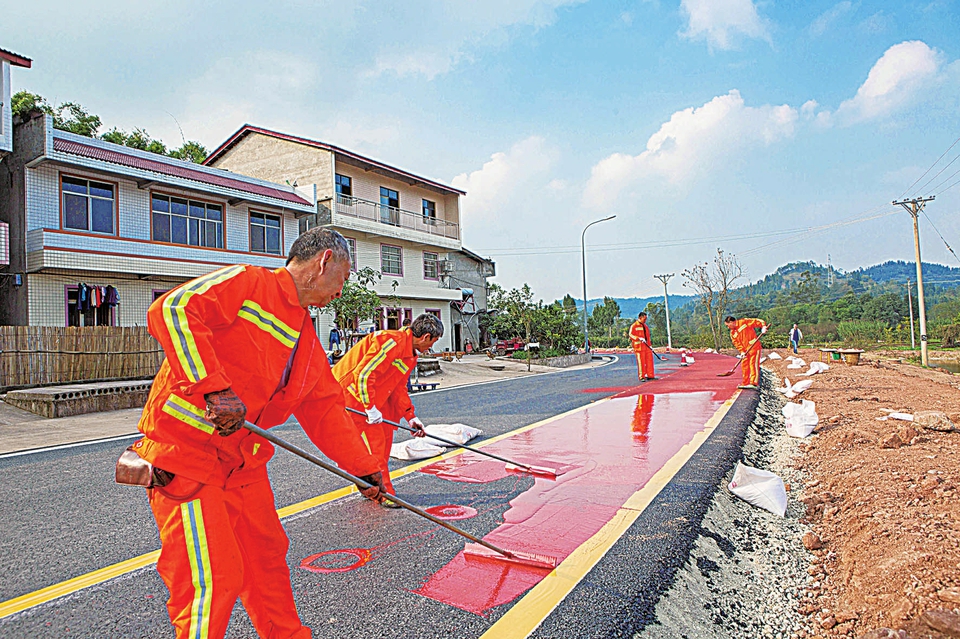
44,355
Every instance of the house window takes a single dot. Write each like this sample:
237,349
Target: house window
433,311
344,185
88,205
391,260
265,235
88,309
389,206
352,245
430,264
429,212
181,221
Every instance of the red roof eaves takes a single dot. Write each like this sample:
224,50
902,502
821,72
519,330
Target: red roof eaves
15,59
247,128
163,168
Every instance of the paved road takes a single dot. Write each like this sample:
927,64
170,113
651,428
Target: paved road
63,517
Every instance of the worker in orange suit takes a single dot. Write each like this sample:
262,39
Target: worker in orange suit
374,377
240,344
746,338
640,339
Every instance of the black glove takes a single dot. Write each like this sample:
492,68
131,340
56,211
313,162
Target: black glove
376,489
225,411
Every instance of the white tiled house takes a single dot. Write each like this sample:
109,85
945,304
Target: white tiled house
398,223
90,212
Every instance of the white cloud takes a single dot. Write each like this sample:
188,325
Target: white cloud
720,21
827,19
691,141
456,31
495,192
895,80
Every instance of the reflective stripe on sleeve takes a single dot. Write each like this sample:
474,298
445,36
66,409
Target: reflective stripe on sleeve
187,413
175,318
398,363
364,377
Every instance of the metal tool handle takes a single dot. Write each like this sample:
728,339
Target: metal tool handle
653,351
451,443
359,483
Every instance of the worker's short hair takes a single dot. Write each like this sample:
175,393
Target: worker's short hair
427,323
730,318
316,241
641,314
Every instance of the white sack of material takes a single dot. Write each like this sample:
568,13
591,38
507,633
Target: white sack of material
761,488
458,433
774,356
763,359
708,350
905,417
816,367
796,363
792,390
801,418
416,448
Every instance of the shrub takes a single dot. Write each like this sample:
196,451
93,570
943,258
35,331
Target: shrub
860,333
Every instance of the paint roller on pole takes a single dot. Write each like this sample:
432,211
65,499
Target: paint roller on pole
478,548
540,471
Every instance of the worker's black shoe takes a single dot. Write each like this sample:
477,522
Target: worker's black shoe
650,379
749,386
386,502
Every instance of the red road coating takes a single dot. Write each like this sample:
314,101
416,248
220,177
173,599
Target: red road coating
452,512
335,560
615,447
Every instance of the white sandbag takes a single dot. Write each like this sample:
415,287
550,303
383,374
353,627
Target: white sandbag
763,359
690,360
774,356
905,417
416,448
801,418
457,433
816,367
708,350
796,363
792,390
760,488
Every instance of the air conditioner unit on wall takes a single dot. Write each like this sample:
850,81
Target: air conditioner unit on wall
444,267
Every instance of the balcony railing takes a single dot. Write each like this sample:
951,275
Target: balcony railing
367,210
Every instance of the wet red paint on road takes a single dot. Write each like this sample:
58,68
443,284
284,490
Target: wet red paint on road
337,560
452,512
613,447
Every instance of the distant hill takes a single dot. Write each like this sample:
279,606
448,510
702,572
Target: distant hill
631,306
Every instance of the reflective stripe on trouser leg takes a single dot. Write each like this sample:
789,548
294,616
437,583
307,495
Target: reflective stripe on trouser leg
199,559
639,364
266,594
751,367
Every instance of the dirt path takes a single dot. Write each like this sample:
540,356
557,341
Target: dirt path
883,498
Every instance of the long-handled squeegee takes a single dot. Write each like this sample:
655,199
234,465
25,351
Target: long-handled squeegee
526,559
662,359
542,471
740,361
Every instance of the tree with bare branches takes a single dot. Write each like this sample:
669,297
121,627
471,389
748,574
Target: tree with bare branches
712,283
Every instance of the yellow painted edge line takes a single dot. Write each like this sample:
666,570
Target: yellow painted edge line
42,596
528,613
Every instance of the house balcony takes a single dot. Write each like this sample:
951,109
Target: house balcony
376,219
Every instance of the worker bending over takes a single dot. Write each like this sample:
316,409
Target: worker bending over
239,344
743,333
640,339
374,375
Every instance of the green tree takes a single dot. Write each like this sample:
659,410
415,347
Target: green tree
358,302
191,151
657,319
23,103
604,317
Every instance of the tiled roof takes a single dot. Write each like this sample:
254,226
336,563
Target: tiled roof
246,128
174,170
15,59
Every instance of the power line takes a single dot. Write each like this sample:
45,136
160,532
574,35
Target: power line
929,169
820,229
941,236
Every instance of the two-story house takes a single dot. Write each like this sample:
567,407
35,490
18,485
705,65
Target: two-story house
99,230
7,59
401,224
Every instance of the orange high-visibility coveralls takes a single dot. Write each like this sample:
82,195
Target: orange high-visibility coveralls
239,327
375,373
639,330
744,332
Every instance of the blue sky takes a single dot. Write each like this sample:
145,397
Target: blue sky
696,122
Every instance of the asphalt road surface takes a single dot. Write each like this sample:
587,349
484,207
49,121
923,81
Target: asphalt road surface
75,549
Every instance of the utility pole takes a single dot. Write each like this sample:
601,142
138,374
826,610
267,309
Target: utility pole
829,271
666,304
913,207
913,343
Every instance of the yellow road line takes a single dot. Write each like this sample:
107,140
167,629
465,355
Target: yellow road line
528,613
101,575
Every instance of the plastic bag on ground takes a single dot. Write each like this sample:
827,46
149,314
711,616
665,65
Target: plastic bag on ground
792,390
796,362
761,488
816,367
415,448
459,433
802,418
774,356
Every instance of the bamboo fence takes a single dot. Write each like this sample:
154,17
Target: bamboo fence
44,355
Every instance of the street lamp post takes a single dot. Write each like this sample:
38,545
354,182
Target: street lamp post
583,259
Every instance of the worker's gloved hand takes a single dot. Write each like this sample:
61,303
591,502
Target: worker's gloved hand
225,411
417,426
763,330
376,486
643,341
374,416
